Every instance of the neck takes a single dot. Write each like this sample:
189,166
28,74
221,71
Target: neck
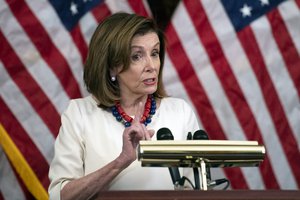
129,103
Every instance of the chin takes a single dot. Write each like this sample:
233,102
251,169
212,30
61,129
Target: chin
150,91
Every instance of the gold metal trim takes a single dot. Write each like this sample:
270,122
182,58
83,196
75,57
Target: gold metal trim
215,153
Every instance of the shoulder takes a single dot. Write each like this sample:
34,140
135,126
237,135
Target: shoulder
82,104
80,114
174,103
82,108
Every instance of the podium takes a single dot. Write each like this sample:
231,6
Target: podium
200,154
202,195
191,154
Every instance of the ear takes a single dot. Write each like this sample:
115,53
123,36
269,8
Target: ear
113,72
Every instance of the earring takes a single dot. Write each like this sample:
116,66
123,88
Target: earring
113,79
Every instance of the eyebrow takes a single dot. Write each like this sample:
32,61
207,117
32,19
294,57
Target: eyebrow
136,46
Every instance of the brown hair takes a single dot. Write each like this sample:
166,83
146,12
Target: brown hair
110,48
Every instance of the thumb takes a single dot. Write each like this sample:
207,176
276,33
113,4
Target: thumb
151,132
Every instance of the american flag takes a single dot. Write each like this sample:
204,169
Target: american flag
236,62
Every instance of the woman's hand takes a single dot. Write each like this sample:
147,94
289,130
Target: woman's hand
133,134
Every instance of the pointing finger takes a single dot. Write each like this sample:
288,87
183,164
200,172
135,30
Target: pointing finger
138,112
149,134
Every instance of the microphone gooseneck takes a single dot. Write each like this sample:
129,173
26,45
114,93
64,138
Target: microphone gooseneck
202,135
166,134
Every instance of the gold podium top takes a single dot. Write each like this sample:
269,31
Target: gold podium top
189,153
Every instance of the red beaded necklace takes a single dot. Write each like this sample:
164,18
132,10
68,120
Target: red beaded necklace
149,111
128,118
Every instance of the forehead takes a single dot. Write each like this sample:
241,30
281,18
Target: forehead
145,39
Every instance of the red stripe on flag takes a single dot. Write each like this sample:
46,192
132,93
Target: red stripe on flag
199,98
101,12
79,42
46,48
138,7
30,88
252,50
286,47
298,3
24,143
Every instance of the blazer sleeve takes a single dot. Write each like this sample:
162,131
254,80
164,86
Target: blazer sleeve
67,163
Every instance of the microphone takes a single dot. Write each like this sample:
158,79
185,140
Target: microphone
166,134
195,170
202,135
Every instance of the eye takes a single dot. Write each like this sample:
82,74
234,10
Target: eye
136,56
155,53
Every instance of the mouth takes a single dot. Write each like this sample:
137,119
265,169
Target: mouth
149,81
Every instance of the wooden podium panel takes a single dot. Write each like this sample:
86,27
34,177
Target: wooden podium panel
201,195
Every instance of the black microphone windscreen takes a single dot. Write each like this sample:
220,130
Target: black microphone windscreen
164,134
200,135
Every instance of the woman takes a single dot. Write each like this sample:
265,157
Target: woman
96,146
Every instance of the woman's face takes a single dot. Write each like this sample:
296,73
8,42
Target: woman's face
141,77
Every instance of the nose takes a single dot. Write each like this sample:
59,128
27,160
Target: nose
150,64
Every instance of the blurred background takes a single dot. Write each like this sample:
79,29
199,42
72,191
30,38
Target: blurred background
235,61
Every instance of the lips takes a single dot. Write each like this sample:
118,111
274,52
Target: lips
149,81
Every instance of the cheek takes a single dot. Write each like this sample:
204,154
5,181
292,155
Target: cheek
158,66
133,75
157,63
